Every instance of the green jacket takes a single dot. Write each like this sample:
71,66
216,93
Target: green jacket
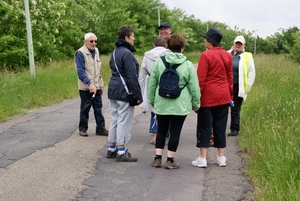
190,95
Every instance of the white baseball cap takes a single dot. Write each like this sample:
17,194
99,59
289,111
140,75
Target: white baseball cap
240,39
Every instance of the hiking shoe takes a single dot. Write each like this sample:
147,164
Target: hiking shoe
111,154
200,162
102,133
233,133
156,163
83,133
171,165
126,157
221,161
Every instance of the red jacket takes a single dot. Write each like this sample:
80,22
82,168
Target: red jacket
215,77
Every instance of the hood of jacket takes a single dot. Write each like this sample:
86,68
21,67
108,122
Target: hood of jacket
175,58
124,43
155,53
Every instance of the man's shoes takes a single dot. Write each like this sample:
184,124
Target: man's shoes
221,161
156,163
200,162
102,133
126,157
171,165
233,133
111,154
83,133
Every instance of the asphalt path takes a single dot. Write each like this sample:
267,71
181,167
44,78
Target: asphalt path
43,158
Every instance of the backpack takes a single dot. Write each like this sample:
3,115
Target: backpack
169,80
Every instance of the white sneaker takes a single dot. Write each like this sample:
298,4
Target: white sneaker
200,162
221,161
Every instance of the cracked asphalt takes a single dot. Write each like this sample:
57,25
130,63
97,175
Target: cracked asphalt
42,158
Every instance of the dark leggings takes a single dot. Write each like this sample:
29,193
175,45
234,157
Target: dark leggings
212,118
176,123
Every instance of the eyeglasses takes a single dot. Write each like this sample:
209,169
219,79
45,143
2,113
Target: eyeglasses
91,41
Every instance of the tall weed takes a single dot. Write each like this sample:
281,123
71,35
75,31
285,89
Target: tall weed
270,129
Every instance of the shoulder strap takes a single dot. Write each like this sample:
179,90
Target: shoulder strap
167,64
122,79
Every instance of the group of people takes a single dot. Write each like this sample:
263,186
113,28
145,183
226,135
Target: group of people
222,77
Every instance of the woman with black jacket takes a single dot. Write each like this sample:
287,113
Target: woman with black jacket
123,66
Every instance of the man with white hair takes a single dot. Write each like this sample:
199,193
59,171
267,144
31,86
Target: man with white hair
90,84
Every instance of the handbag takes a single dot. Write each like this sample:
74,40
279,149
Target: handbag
131,98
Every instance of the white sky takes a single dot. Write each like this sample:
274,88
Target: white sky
265,16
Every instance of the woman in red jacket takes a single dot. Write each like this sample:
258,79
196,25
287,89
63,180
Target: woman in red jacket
215,81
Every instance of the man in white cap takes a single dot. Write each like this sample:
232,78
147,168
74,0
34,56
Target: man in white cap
243,71
90,84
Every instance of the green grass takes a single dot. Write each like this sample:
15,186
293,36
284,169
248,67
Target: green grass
270,129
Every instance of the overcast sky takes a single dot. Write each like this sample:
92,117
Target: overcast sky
265,16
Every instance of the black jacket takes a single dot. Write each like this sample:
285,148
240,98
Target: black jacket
129,69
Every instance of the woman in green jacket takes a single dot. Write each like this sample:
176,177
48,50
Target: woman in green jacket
173,111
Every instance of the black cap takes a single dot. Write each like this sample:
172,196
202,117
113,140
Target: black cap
164,24
213,36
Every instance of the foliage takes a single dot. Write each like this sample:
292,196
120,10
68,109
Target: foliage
58,27
295,50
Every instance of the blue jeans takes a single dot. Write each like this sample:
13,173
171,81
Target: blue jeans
236,110
97,106
153,123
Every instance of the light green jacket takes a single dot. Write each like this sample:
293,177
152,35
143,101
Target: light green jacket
190,95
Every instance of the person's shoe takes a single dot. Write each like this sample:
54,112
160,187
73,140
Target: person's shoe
83,133
221,161
153,141
111,154
171,165
156,163
233,133
200,162
102,133
126,157
168,136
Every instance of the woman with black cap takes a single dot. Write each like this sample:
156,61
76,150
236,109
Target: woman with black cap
215,81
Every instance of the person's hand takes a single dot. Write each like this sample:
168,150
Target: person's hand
139,102
92,88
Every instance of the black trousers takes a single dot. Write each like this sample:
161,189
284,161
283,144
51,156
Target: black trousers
236,110
176,123
212,118
97,106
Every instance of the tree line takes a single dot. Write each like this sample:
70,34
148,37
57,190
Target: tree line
58,27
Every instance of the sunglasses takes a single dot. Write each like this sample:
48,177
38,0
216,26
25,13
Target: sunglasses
91,41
